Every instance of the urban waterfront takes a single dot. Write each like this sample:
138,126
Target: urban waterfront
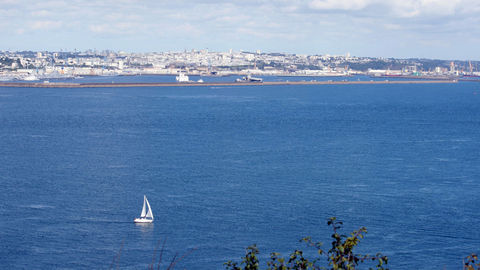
44,65
227,167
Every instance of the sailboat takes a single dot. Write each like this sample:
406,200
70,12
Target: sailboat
146,216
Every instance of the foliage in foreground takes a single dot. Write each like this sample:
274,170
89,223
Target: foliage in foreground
471,262
341,255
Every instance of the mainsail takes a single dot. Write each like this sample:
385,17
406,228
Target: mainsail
144,209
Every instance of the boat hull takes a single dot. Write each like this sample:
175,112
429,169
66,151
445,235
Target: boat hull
142,220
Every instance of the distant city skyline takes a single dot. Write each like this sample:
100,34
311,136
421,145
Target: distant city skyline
437,29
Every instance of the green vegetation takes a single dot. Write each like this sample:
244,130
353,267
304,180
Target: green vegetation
7,61
471,262
341,255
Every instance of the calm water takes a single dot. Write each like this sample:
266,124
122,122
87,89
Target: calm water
226,167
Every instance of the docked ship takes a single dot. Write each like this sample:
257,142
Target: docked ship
30,78
182,78
249,78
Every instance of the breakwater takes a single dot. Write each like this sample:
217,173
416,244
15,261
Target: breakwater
102,85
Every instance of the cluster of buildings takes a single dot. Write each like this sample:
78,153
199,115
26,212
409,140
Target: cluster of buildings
29,65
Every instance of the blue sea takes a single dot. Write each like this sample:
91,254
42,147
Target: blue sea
227,167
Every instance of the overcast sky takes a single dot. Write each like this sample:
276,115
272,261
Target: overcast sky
442,29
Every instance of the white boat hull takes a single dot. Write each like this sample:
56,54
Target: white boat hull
142,220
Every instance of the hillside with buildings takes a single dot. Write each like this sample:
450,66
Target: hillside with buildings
28,64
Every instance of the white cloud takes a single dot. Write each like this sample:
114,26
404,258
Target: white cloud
270,23
392,26
339,4
187,29
117,28
41,13
398,8
8,2
45,25
413,8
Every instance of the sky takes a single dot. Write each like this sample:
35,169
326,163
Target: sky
439,29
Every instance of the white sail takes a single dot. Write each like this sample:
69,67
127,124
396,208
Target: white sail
143,214
149,213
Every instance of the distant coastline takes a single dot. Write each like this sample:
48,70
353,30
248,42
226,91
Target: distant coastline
43,65
162,84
